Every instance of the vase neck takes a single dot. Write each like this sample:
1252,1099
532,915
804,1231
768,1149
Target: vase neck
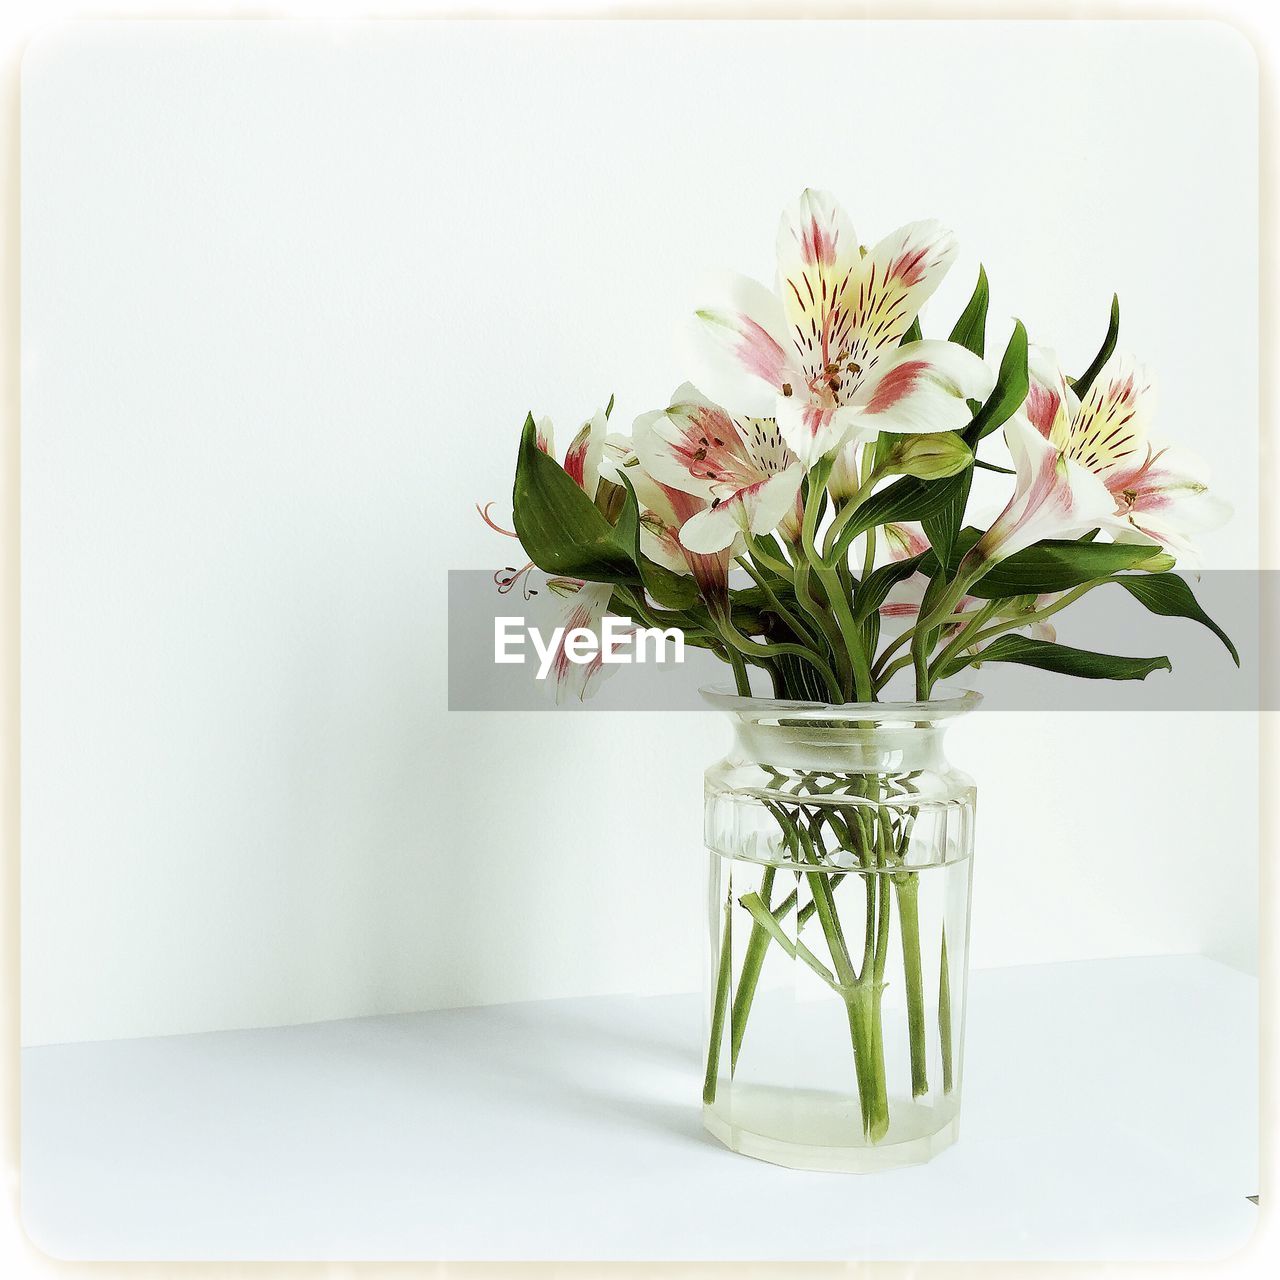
873,746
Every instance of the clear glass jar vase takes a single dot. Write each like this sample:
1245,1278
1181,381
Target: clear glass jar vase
840,846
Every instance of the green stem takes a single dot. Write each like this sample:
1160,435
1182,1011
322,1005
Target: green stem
966,635
756,649
1038,615
755,907
757,946
907,888
724,976
861,1007
834,545
798,627
850,633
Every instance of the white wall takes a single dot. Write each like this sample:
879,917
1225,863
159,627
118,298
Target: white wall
287,294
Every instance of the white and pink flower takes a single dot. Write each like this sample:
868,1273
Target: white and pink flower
665,511
1159,495
740,466
824,354
586,605
1054,496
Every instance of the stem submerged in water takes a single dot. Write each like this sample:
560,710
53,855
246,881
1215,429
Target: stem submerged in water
907,889
724,976
944,1015
757,945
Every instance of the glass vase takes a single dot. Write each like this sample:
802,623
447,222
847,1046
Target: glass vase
840,849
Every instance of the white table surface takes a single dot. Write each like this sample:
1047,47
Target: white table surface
1110,1111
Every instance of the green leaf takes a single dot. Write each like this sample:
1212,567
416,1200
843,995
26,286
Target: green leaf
970,331
1057,566
560,528
913,334
1171,597
1082,384
905,499
875,587
943,526
1082,663
1008,393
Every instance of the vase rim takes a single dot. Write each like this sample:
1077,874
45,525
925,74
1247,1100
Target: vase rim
951,701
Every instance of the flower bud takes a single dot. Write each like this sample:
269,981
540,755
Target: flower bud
928,457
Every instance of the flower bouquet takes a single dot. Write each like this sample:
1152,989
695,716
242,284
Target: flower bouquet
801,509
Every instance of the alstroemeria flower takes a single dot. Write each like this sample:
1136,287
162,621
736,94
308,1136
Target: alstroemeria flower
1054,496
1159,495
741,466
664,512
823,356
583,457
586,604
1166,501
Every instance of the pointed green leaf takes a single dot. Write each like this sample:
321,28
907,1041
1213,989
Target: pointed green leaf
942,527
1082,384
1061,658
904,499
559,527
970,330
1057,566
1009,392
1170,596
875,587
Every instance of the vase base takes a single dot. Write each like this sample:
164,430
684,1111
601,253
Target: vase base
829,1158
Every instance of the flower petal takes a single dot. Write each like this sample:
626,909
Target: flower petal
1109,430
711,530
898,276
1167,502
904,539
1049,405
582,458
923,387
545,436
1054,496
768,503
738,354
583,610
819,268
813,431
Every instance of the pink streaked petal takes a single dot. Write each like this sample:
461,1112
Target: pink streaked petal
897,277
1108,433
1048,405
1054,496
750,344
923,386
819,265
898,383
812,431
739,356
544,436
905,540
